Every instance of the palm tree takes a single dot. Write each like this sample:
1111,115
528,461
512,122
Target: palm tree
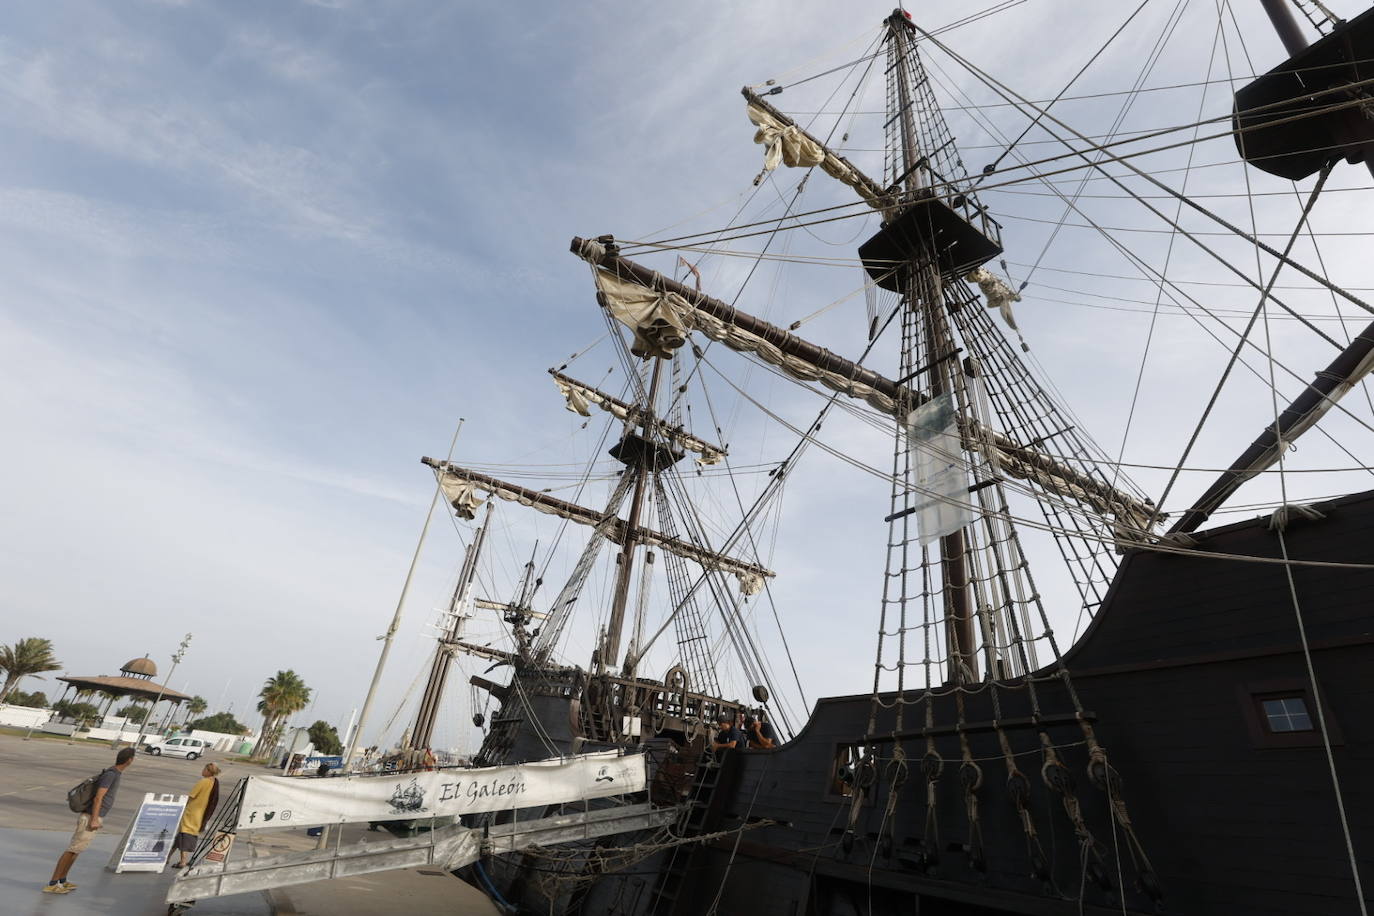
283,695
110,697
26,658
265,709
194,707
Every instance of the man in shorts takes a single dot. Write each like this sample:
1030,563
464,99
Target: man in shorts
88,822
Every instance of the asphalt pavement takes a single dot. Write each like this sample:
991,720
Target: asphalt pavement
36,774
36,825
27,858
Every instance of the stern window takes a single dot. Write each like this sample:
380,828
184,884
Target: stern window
1286,714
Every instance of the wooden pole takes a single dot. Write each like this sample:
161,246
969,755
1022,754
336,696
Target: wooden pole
428,711
961,658
610,648
396,617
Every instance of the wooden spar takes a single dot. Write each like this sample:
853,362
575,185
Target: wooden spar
614,531
570,511
677,434
787,343
506,607
610,646
488,652
1344,372
428,712
878,191
1101,496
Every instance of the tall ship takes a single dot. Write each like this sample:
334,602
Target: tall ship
1196,749
1081,694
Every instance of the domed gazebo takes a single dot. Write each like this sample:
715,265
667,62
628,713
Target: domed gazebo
135,679
143,667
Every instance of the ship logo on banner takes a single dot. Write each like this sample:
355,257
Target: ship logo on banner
270,800
408,800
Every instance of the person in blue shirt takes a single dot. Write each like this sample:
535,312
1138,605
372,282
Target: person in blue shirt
729,736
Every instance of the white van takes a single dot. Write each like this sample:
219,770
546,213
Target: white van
187,747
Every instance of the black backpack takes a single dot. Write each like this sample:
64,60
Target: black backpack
80,796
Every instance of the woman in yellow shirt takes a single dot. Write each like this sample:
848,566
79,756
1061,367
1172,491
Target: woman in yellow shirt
199,807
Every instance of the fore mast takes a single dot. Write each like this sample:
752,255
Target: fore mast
642,457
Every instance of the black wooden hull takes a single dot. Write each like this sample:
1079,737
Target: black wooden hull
1233,818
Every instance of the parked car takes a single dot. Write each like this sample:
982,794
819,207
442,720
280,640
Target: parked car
187,747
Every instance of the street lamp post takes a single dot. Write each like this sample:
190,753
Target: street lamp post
176,660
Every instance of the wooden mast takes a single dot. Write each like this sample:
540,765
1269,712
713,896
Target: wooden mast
924,293
641,466
428,712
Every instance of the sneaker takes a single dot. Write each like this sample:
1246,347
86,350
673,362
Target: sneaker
56,889
68,885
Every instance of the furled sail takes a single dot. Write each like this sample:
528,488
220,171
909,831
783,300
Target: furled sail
655,317
463,480
804,360
462,496
578,402
615,289
999,295
581,396
787,144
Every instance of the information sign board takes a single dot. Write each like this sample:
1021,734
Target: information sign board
147,843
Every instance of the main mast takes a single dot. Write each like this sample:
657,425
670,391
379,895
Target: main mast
922,289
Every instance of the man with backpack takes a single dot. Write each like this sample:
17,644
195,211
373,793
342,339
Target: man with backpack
101,790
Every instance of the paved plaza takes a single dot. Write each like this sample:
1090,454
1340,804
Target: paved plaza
35,826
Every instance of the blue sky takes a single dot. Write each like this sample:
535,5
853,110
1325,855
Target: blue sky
257,258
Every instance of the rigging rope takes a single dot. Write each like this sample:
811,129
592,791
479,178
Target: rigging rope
1317,699
992,167
1244,336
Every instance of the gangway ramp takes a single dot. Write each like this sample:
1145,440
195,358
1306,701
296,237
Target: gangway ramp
447,848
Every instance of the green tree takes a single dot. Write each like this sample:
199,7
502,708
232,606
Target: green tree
325,737
133,712
282,695
36,700
194,707
81,712
27,658
221,722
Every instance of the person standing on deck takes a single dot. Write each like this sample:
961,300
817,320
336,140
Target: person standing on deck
199,807
729,737
89,821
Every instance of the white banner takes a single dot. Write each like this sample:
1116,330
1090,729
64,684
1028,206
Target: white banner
285,801
942,503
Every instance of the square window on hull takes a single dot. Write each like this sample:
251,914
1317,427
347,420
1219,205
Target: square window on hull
1286,714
